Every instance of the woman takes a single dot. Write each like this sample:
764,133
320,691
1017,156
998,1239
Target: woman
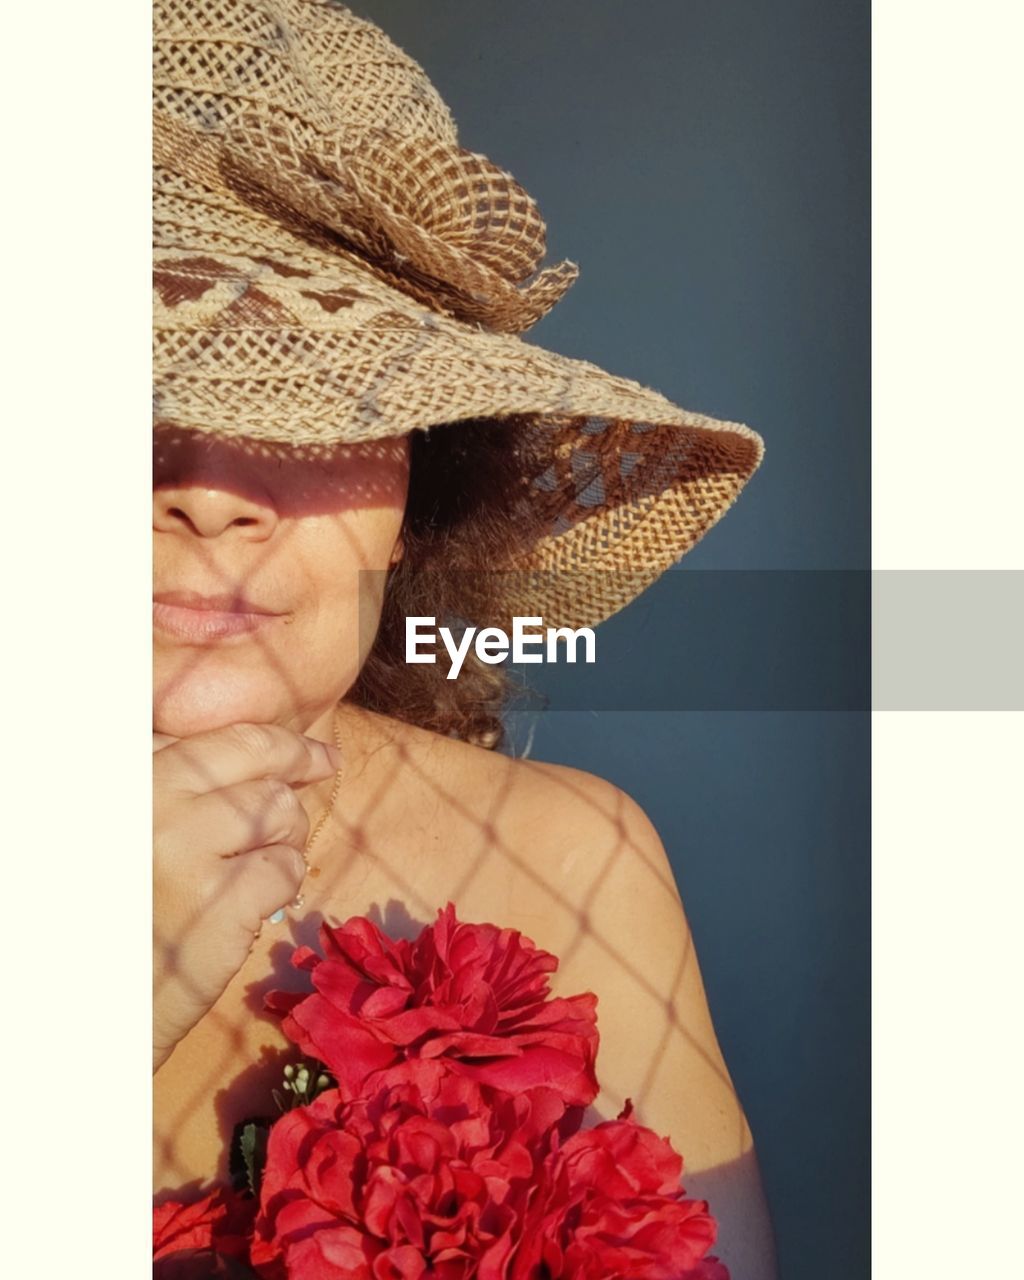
336,279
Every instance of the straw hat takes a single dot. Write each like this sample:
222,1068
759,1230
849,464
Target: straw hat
331,266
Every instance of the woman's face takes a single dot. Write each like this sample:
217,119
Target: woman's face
260,612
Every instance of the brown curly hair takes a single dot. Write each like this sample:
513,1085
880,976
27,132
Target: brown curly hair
464,482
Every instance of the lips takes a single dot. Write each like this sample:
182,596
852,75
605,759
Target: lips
195,618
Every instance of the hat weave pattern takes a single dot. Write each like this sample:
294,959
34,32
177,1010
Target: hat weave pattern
330,266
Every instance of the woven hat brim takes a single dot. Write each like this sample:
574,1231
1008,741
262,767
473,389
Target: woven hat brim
248,350
634,481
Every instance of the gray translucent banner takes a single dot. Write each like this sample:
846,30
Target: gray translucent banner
948,640
787,640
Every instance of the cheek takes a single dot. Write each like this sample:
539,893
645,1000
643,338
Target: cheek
330,571
370,605
346,567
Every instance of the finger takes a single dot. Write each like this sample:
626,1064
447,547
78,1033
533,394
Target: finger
244,752
246,816
262,882
161,740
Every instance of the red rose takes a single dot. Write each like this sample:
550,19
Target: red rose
473,996
221,1222
429,1175
609,1206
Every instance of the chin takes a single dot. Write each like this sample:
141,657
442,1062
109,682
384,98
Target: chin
199,702
198,690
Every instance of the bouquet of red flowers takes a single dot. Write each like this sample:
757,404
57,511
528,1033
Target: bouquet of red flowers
437,1130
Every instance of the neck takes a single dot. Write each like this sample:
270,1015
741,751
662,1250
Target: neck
357,733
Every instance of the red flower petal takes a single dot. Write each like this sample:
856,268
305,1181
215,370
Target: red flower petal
221,1221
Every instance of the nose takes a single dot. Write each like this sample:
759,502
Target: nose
212,513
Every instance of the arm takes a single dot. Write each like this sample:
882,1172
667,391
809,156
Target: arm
631,944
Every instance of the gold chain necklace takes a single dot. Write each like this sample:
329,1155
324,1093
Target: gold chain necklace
312,872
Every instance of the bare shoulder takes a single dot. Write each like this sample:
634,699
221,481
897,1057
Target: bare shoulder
595,848
613,914
578,811
579,849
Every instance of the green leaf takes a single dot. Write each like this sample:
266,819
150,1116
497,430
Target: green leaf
254,1153
251,1140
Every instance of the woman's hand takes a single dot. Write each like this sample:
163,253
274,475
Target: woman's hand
228,836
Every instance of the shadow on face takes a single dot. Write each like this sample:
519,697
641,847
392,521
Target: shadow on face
263,606
310,480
